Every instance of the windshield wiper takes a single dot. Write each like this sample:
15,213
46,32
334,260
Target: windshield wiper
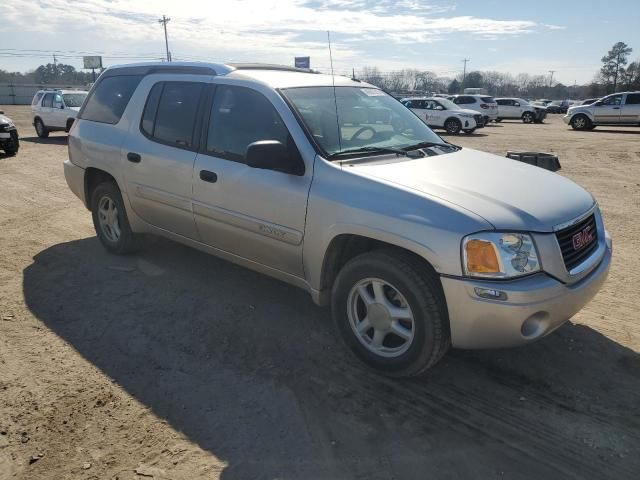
397,151
431,144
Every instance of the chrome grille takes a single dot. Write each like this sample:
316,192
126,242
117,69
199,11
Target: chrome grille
578,241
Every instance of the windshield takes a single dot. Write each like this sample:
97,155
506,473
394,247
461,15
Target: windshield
74,99
448,104
367,118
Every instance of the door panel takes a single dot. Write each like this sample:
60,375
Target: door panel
255,213
631,109
609,111
159,154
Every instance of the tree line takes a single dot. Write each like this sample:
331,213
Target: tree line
615,75
48,74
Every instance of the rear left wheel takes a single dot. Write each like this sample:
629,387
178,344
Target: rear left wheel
41,130
110,219
391,313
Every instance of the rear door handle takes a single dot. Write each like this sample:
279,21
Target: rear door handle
207,176
134,157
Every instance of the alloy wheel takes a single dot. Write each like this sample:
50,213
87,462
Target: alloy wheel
380,317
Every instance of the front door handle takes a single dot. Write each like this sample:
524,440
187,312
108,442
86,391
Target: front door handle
134,157
207,176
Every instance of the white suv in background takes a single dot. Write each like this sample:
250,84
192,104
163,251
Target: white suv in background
442,113
483,104
55,110
518,108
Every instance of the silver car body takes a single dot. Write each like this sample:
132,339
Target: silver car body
616,109
288,226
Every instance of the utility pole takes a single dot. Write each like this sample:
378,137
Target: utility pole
55,65
464,71
551,79
164,20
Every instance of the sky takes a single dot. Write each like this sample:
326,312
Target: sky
515,36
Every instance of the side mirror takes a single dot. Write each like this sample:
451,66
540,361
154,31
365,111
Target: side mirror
516,104
273,155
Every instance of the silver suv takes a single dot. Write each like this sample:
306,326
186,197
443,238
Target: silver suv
617,109
417,244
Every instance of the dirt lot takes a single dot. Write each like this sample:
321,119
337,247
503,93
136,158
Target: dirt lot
173,364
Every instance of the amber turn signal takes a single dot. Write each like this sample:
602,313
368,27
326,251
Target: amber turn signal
481,257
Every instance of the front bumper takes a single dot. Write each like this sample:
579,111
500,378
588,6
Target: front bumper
75,179
535,306
567,119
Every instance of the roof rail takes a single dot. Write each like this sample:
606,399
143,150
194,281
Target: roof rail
193,68
269,66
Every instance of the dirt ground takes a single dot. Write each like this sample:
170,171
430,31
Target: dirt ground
172,364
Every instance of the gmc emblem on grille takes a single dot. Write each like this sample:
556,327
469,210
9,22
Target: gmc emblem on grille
583,238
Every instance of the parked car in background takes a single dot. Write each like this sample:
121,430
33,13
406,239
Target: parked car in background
616,109
483,104
417,244
9,140
439,112
589,101
518,108
55,110
558,106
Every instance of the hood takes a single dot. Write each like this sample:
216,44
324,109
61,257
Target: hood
5,119
506,193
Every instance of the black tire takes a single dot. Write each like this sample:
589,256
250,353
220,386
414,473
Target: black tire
498,120
127,242
69,125
41,130
12,147
423,292
453,126
581,122
527,117
470,131
486,120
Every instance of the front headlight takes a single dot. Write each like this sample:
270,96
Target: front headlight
466,115
499,255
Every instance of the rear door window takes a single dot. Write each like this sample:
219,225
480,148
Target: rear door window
47,101
465,100
487,99
108,100
171,111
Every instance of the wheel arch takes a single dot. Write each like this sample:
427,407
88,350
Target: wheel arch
92,178
344,246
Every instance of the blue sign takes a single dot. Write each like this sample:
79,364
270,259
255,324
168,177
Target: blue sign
303,62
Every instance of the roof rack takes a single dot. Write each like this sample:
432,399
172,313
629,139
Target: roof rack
269,66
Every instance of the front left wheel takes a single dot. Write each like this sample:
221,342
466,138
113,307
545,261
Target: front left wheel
453,126
527,117
110,219
391,312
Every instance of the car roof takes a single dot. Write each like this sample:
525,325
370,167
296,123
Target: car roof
274,76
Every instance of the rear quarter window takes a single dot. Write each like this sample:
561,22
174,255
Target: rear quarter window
633,99
107,102
37,98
